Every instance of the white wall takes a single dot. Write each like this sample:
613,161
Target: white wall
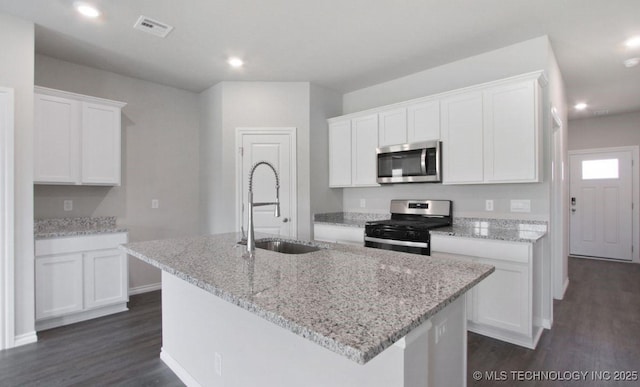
325,103
249,104
16,71
605,131
469,200
159,157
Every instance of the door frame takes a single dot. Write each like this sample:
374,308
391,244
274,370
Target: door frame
558,221
635,192
7,208
289,131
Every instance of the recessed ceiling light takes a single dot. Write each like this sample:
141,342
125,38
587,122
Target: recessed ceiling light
87,10
633,42
631,62
580,106
235,62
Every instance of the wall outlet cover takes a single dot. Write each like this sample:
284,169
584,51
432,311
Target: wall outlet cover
488,205
155,203
68,205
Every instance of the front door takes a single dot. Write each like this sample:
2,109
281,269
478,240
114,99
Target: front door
601,204
276,146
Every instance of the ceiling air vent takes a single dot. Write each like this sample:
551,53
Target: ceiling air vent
151,26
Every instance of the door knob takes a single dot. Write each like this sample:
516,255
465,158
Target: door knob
285,220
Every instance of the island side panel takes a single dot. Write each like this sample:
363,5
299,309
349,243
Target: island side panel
253,351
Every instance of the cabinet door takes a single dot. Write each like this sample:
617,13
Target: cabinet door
58,285
392,127
105,273
100,144
364,139
511,133
423,121
462,136
56,140
502,300
340,154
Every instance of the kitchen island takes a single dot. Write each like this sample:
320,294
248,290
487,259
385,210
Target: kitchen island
339,316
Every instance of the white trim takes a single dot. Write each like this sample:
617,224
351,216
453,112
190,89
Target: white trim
78,97
25,338
177,369
635,192
293,193
566,286
7,291
145,288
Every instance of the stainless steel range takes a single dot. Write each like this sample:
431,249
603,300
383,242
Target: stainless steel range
408,228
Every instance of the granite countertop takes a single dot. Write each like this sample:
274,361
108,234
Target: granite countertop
485,228
353,300
66,227
496,229
349,219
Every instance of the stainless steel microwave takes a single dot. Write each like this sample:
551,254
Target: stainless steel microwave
418,162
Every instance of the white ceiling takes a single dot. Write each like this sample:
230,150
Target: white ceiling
342,44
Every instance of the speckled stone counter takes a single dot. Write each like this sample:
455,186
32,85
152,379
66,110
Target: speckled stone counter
352,300
348,219
66,227
496,229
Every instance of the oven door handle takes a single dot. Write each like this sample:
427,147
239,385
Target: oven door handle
397,243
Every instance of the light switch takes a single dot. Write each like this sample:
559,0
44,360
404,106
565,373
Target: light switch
488,205
521,206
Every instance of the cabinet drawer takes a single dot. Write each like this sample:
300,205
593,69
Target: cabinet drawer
499,250
339,234
79,243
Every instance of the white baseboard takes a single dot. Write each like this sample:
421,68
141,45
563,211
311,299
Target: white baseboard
58,321
25,338
565,287
177,369
145,288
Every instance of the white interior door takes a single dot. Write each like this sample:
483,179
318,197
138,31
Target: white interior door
601,204
276,146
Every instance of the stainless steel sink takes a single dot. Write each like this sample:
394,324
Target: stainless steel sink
284,247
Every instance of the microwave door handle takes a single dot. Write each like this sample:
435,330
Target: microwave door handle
423,162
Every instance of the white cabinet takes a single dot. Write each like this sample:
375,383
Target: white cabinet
58,285
78,278
56,138
364,140
340,154
338,234
352,152
76,139
392,127
509,304
511,135
423,121
492,135
462,135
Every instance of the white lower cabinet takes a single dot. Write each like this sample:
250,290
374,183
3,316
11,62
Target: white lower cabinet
79,278
509,305
338,234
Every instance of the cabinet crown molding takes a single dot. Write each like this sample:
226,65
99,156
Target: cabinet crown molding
79,97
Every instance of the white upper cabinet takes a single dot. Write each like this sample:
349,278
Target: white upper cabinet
56,137
340,154
77,139
423,121
511,136
392,127
364,139
462,136
100,144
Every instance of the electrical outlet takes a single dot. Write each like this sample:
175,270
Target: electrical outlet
218,364
155,203
68,205
488,205
363,203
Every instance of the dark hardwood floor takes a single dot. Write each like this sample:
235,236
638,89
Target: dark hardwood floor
596,328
